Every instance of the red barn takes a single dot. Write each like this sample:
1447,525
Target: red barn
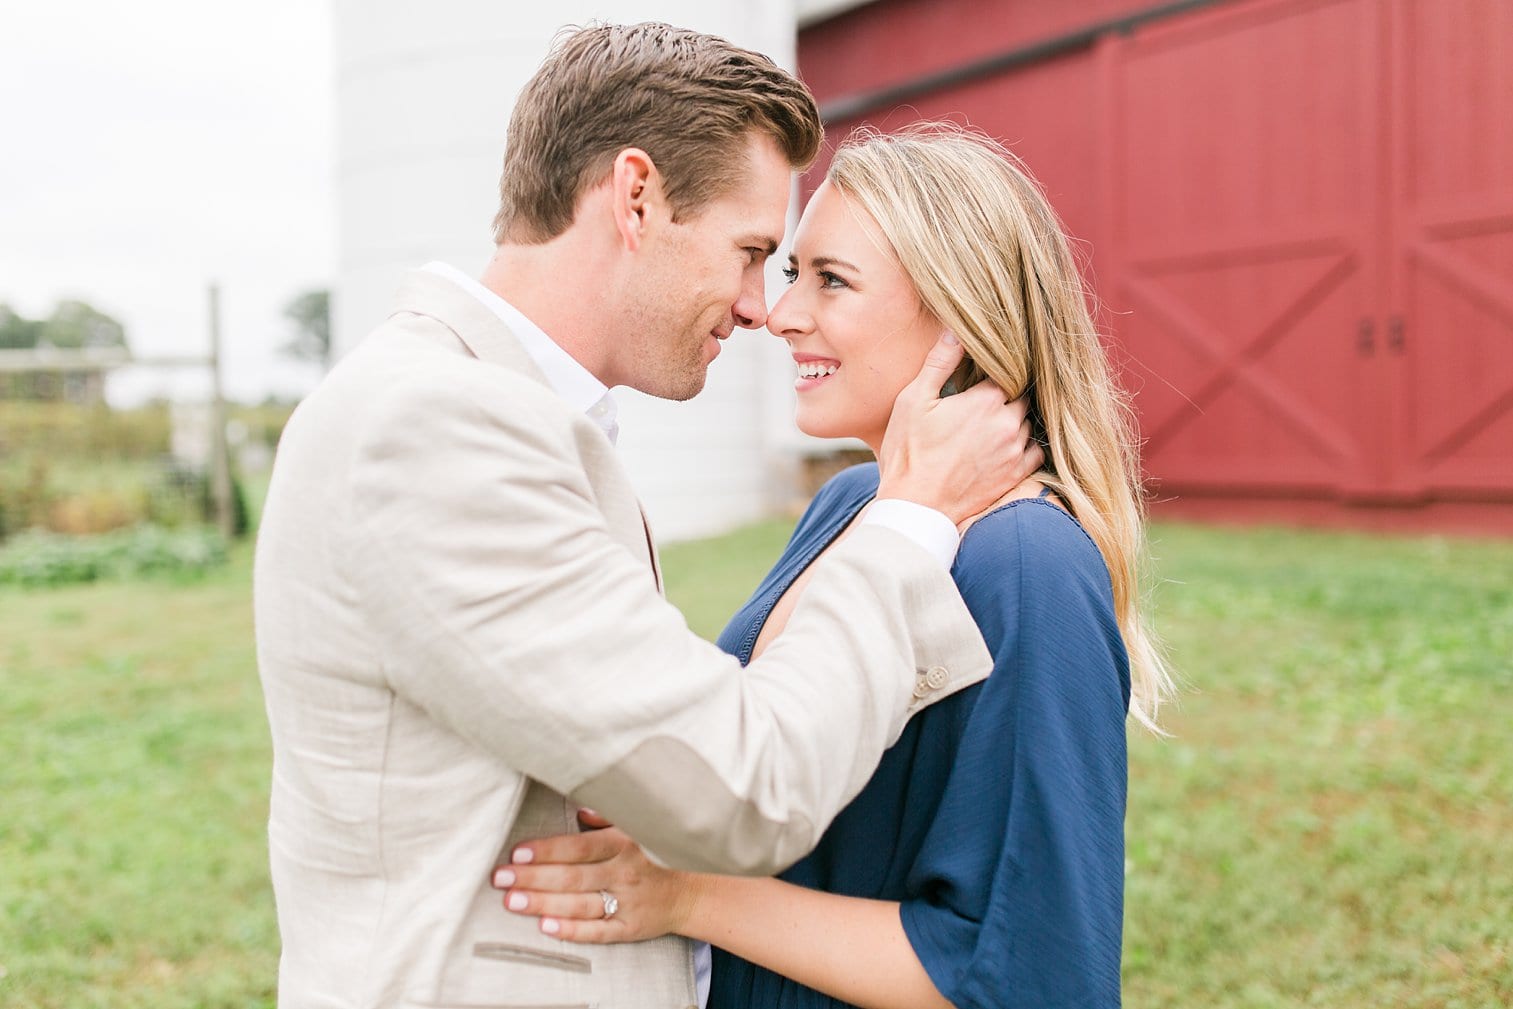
1299,215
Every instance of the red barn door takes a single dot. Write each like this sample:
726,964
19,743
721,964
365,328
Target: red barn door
1450,327
1314,220
1247,166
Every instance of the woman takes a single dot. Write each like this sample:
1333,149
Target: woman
983,863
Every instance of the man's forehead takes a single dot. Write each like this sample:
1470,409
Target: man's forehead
763,170
754,200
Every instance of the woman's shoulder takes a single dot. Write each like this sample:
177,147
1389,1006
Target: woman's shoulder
1039,589
1037,537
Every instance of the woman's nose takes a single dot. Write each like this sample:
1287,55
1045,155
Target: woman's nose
785,320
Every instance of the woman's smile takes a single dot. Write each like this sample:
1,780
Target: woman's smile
813,371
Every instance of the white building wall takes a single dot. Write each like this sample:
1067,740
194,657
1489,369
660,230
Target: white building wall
424,93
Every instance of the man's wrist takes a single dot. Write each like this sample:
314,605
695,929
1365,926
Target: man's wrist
931,529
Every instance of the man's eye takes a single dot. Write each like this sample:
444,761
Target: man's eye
756,254
790,274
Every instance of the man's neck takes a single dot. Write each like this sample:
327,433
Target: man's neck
530,277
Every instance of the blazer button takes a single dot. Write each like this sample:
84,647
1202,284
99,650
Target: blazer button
937,677
921,689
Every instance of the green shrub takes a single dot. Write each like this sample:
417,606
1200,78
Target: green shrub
70,429
37,558
85,470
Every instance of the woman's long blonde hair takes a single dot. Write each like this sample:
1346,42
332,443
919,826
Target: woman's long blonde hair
989,260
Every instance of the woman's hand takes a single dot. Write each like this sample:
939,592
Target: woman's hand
560,879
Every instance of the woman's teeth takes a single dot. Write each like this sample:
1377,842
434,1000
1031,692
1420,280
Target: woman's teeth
816,369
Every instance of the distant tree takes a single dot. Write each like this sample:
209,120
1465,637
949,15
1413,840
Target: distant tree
74,325
309,316
17,332
77,325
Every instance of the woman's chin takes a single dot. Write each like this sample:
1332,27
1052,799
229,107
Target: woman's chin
832,428
818,426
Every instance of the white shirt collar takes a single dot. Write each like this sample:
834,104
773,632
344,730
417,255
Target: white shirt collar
569,379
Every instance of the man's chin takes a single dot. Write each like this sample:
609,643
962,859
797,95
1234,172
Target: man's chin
690,389
676,387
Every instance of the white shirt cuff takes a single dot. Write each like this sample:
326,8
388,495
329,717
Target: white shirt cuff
925,526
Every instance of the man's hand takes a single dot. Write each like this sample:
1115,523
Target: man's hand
960,454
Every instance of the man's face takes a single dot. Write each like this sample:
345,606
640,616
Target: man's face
702,277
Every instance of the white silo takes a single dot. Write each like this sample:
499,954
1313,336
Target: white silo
424,93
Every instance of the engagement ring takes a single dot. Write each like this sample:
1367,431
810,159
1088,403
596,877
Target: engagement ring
611,905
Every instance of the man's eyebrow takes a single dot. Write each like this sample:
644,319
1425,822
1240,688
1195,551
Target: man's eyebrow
824,263
765,242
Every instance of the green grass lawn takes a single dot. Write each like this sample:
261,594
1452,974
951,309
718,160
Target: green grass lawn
1327,827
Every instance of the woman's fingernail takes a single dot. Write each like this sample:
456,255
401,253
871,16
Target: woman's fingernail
516,902
950,338
520,856
550,926
504,878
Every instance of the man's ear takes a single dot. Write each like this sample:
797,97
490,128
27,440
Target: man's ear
635,194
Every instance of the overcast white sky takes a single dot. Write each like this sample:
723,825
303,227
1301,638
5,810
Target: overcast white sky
148,148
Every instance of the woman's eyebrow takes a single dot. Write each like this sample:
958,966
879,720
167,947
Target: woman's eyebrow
824,263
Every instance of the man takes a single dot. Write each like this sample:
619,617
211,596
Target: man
460,630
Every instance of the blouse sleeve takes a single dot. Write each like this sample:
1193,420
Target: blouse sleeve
1016,897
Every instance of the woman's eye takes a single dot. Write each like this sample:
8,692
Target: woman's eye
830,281
790,274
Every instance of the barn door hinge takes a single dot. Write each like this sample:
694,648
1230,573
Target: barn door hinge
1365,337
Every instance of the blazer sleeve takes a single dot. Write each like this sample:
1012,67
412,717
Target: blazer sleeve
1017,893
504,607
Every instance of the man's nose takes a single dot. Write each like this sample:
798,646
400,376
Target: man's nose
750,309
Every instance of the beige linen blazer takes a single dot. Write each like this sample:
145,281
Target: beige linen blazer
461,637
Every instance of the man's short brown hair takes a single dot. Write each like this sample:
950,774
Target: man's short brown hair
686,99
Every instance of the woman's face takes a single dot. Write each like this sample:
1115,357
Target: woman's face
852,320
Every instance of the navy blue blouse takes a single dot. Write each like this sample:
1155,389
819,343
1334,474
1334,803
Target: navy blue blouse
997,819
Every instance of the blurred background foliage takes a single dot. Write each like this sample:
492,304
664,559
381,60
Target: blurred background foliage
81,470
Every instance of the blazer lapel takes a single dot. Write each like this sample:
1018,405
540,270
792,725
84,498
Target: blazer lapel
488,338
481,331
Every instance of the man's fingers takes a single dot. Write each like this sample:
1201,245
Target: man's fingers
939,363
1033,459
987,396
